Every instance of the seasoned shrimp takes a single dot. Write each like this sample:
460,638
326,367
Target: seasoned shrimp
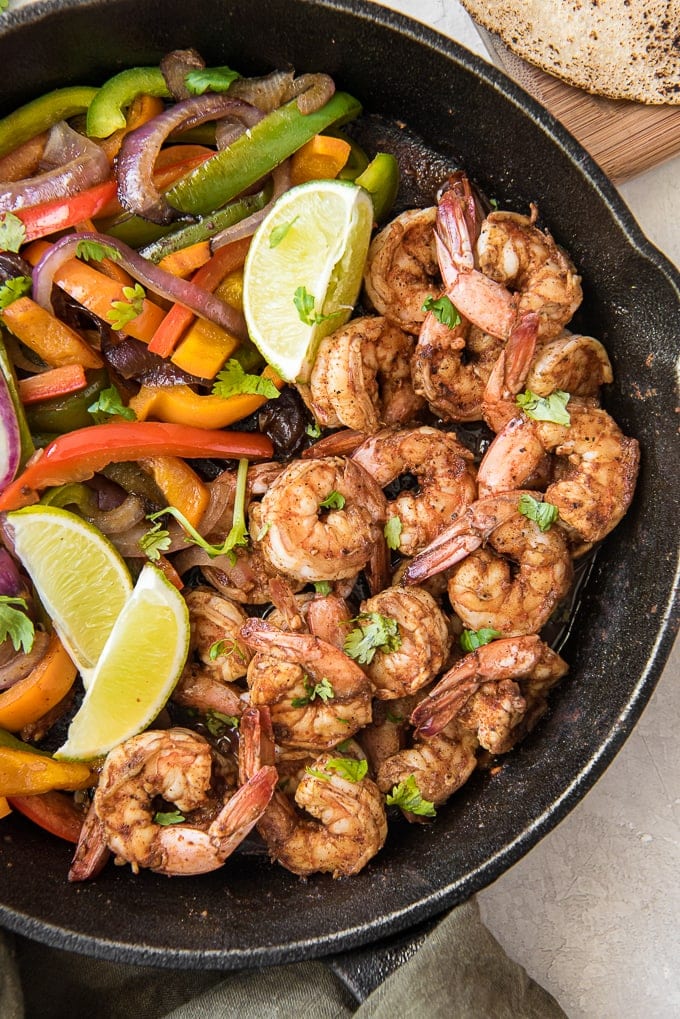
362,376
513,583
423,639
325,615
595,467
317,695
482,691
349,825
177,766
518,269
440,765
216,656
402,270
443,469
321,519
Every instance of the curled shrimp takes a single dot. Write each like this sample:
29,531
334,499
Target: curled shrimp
595,467
177,766
423,637
362,376
321,519
316,694
347,826
439,766
512,583
481,690
444,472
402,270
514,269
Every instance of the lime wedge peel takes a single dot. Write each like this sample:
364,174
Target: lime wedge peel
137,671
315,237
80,577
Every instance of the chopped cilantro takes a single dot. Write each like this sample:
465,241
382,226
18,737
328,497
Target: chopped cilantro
323,690
279,232
233,380
225,649
543,513
155,541
551,408
13,289
304,303
96,251
393,529
12,232
443,310
323,587
470,640
217,723
374,633
313,430
15,624
408,796
123,312
348,767
334,501
109,404
168,817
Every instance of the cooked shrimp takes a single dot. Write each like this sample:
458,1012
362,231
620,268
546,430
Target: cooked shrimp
317,695
518,269
513,584
349,825
321,519
443,469
595,469
177,766
401,270
482,691
324,615
423,638
362,376
440,765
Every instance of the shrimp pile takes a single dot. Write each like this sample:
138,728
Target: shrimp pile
381,634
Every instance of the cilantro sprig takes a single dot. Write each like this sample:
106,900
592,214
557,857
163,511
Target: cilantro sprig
333,501
305,304
217,723
156,541
551,408
346,767
233,380
392,531
12,232
542,513
15,624
470,640
110,404
443,310
122,312
225,648
96,251
14,288
168,817
323,690
408,796
279,232
374,632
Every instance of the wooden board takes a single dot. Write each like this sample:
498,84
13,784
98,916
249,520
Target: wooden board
625,138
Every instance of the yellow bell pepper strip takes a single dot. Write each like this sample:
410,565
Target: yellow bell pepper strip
5,808
41,113
254,154
25,774
105,113
321,158
50,338
54,811
78,455
32,697
381,180
204,349
182,406
54,382
180,485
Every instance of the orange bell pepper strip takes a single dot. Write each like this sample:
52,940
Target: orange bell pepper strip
5,808
141,109
181,405
204,349
79,454
69,378
179,318
321,158
23,773
186,260
32,697
50,338
54,811
180,485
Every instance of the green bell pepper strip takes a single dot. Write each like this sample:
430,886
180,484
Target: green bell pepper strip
381,180
254,154
40,114
106,111
7,370
66,413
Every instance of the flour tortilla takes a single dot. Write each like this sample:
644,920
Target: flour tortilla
624,49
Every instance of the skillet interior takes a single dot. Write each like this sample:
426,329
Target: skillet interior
252,912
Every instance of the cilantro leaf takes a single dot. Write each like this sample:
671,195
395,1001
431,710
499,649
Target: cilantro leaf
334,501
232,380
123,312
393,719
408,796
313,430
323,690
375,632
4,4
109,404
317,773
13,289
551,408
443,310
12,232
279,232
543,513
348,767
392,531
168,817
217,723
155,541
470,640
323,587
95,251
209,79
305,302
15,624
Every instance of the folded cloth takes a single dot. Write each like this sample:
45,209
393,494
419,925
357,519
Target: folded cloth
459,972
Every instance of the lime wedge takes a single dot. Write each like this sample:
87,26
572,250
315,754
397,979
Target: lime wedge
137,671
303,271
80,577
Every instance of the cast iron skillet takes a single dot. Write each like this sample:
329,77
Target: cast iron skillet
252,912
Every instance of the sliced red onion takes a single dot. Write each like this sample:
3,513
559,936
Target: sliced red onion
10,582
18,666
10,438
174,289
140,148
313,91
247,227
75,163
269,92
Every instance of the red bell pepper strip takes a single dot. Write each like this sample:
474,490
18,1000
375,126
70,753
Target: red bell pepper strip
54,811
78,455
49,217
